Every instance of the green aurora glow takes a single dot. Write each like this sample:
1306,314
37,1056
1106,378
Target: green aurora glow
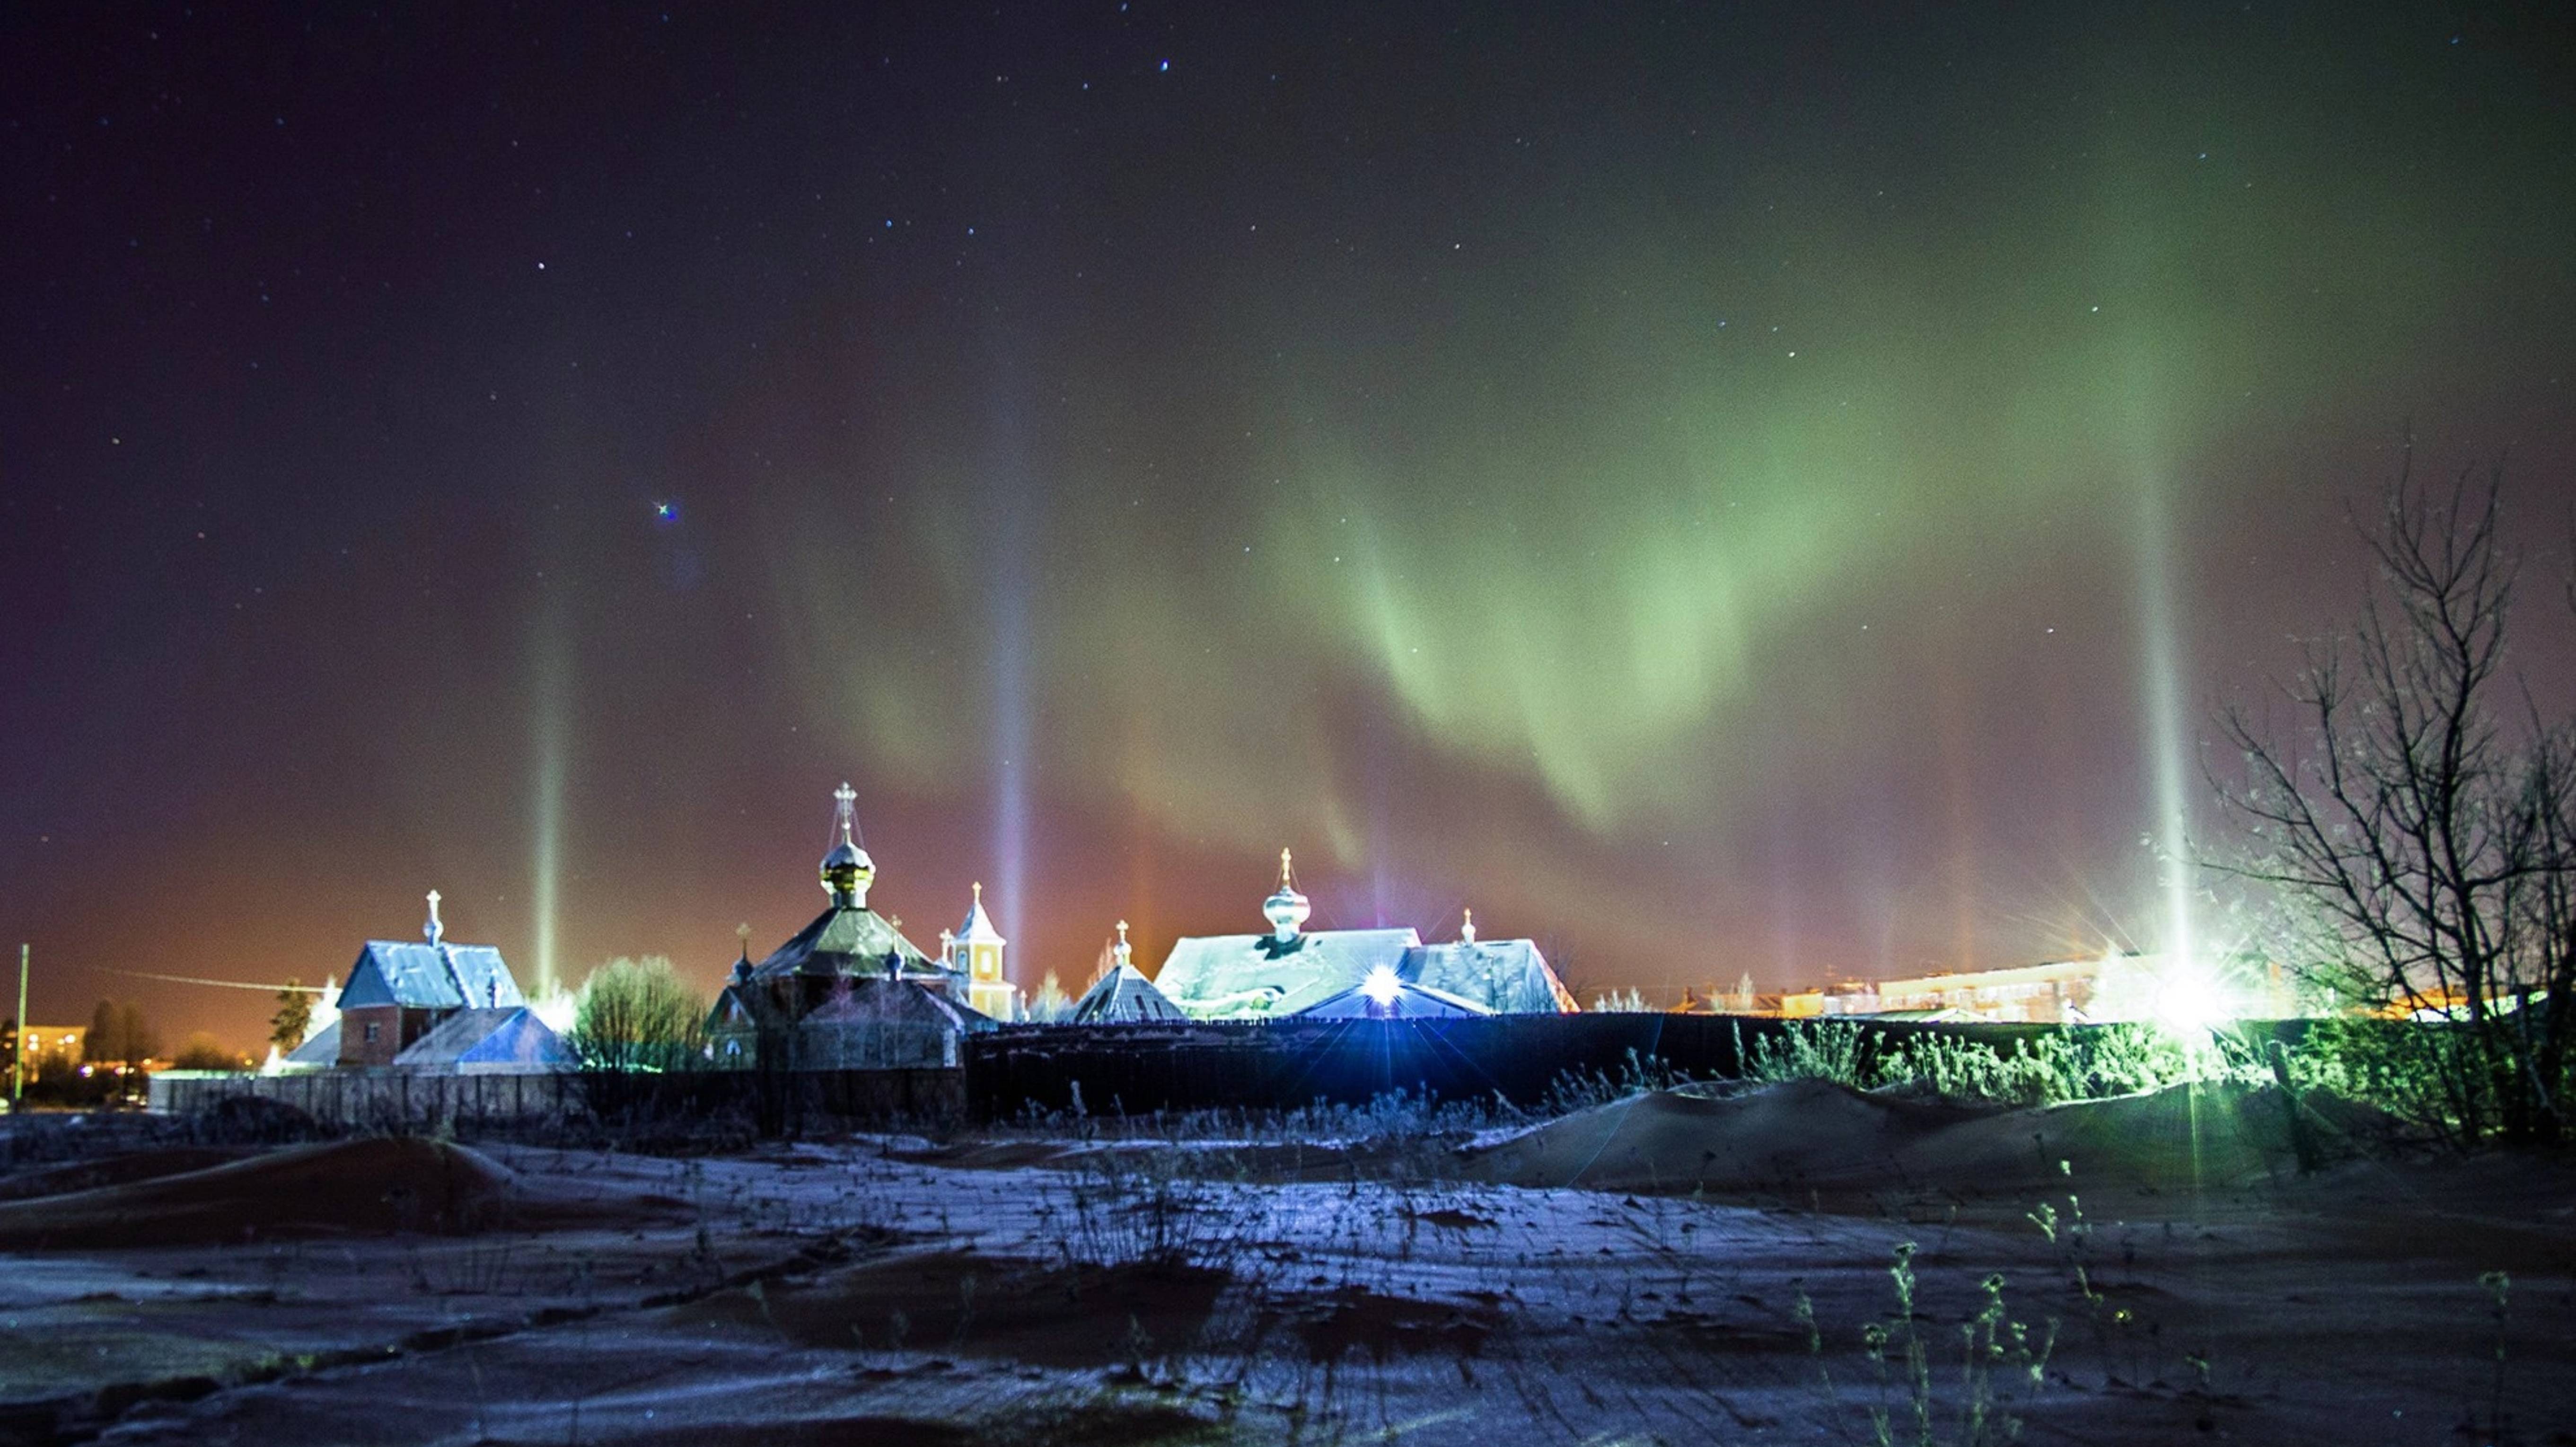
1714,491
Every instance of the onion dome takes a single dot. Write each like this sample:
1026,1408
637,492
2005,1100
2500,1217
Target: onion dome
847,869
1286,909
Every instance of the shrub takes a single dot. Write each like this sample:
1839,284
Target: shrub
1805,1050
2076,1063
637,1015
2398,1066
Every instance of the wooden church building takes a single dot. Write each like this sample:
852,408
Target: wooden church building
849,992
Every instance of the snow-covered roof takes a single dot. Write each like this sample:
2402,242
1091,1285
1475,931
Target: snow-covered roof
978,928
322,1047
1507,977
846,940
426,976
511,1036
1264,976
1121,996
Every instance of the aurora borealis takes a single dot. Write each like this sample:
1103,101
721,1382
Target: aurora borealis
1714,489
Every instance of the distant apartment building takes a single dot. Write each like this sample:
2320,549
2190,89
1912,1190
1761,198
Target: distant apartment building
2104,990
35,1042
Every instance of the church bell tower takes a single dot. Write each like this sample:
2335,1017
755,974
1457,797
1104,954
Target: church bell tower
975,951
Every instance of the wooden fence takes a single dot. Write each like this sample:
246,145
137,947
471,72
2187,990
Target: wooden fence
1283,1065
769,1103
1140,1069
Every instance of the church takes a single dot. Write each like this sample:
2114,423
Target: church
848,991
1292,971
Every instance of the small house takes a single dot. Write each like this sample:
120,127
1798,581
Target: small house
397,992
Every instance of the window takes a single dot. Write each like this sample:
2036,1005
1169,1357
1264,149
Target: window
372,1029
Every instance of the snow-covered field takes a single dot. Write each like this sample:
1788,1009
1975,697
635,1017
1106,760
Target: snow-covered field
886,1291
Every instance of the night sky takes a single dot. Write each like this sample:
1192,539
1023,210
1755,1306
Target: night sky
1715,489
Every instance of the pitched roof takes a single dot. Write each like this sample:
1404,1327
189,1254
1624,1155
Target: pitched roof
1508,977
509,1036
737,1008
426,976
322,1047
895,1002
978,927
1408,1002
846,940
1262,976
1122,995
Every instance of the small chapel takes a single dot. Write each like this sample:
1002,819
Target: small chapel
433,1007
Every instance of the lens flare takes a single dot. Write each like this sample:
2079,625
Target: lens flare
2189,998
1381,987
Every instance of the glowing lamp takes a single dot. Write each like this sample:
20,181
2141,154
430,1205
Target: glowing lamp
1381,987
2188,998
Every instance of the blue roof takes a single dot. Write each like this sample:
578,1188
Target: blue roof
322,1047
426,976
511,1035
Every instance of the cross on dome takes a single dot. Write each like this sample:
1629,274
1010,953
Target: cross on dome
978,926
434,928
1287,910
845,813
847,869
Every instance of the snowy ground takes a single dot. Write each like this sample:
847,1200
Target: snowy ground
873,1291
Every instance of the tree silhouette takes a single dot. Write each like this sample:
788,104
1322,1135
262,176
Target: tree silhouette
294,1018
2416,825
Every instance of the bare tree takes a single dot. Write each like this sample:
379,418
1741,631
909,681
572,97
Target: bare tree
2414,823
119,1036
1051,1005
